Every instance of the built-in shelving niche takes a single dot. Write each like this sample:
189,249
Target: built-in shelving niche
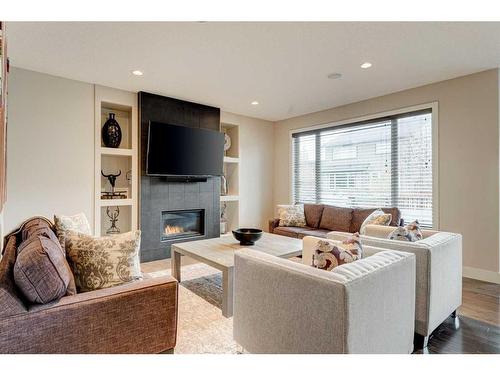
230,202
113,160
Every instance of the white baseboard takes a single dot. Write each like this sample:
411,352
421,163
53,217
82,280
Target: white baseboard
480,274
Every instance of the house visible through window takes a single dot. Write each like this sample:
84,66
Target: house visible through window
384,162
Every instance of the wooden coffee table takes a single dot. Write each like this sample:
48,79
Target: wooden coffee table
219,253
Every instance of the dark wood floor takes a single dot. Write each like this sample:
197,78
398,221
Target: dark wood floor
479,323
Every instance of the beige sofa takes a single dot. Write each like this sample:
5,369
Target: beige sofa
282,306
438,276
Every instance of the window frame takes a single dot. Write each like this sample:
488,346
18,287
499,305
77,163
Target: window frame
433,106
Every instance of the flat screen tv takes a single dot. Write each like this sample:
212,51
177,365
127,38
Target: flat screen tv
183,151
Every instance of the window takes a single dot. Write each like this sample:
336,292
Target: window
378,163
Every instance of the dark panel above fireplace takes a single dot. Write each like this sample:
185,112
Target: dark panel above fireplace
157,194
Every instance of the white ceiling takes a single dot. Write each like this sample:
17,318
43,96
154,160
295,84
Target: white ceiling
281,65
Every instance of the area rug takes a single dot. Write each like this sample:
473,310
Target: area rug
201,327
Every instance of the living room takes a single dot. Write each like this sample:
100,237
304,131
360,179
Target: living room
228,185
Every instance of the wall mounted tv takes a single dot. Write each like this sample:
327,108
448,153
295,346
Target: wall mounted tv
183,151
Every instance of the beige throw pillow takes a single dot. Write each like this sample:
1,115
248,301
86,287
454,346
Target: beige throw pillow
377,217
292,215
76,223
103,262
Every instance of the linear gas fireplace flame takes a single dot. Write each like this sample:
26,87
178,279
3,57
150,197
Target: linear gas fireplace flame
173,229
182,224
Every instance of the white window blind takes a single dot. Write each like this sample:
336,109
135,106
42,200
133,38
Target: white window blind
385,162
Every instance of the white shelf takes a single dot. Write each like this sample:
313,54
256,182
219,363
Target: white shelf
229,198
115,202
111,160
228,159
116,151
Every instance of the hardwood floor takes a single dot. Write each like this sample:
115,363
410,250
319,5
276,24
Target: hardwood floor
479,318
479,323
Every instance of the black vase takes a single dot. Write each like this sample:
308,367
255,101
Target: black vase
111,132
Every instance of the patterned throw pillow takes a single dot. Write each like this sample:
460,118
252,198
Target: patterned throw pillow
292,215
410,233
327,255
377,217
103,262
76,223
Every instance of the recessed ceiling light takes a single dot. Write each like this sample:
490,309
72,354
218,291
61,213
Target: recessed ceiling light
255,102
366,65
137,73
334,75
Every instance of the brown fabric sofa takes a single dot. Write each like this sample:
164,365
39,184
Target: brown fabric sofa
137,317
322,219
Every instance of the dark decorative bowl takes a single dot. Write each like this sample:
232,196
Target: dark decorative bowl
247,236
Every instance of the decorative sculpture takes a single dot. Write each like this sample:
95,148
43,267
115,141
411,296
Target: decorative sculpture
113,217
112,179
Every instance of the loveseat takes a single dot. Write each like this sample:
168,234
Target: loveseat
281,306
322,219
438,278
137,317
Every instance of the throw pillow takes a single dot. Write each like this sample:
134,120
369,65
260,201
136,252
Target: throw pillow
410,233
377,217
41,271
292,215
75,223
327,255
103,262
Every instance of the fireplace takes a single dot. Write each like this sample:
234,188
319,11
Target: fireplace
182,224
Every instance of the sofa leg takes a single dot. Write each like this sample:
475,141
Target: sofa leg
456,320
420,342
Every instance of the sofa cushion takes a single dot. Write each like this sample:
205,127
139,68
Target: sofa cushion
336,218
360,214
103,262
327,254
41,271
11,302
76,223
313,214
315,232
295,232
291,215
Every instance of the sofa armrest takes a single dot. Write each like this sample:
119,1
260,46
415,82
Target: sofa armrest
138,317
273,223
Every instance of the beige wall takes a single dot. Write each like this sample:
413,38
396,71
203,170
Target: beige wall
468,156
51,152
256,169
50,147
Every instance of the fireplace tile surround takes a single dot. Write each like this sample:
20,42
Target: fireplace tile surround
159,194
162,196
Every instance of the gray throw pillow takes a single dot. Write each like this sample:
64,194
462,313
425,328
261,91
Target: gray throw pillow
41,271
